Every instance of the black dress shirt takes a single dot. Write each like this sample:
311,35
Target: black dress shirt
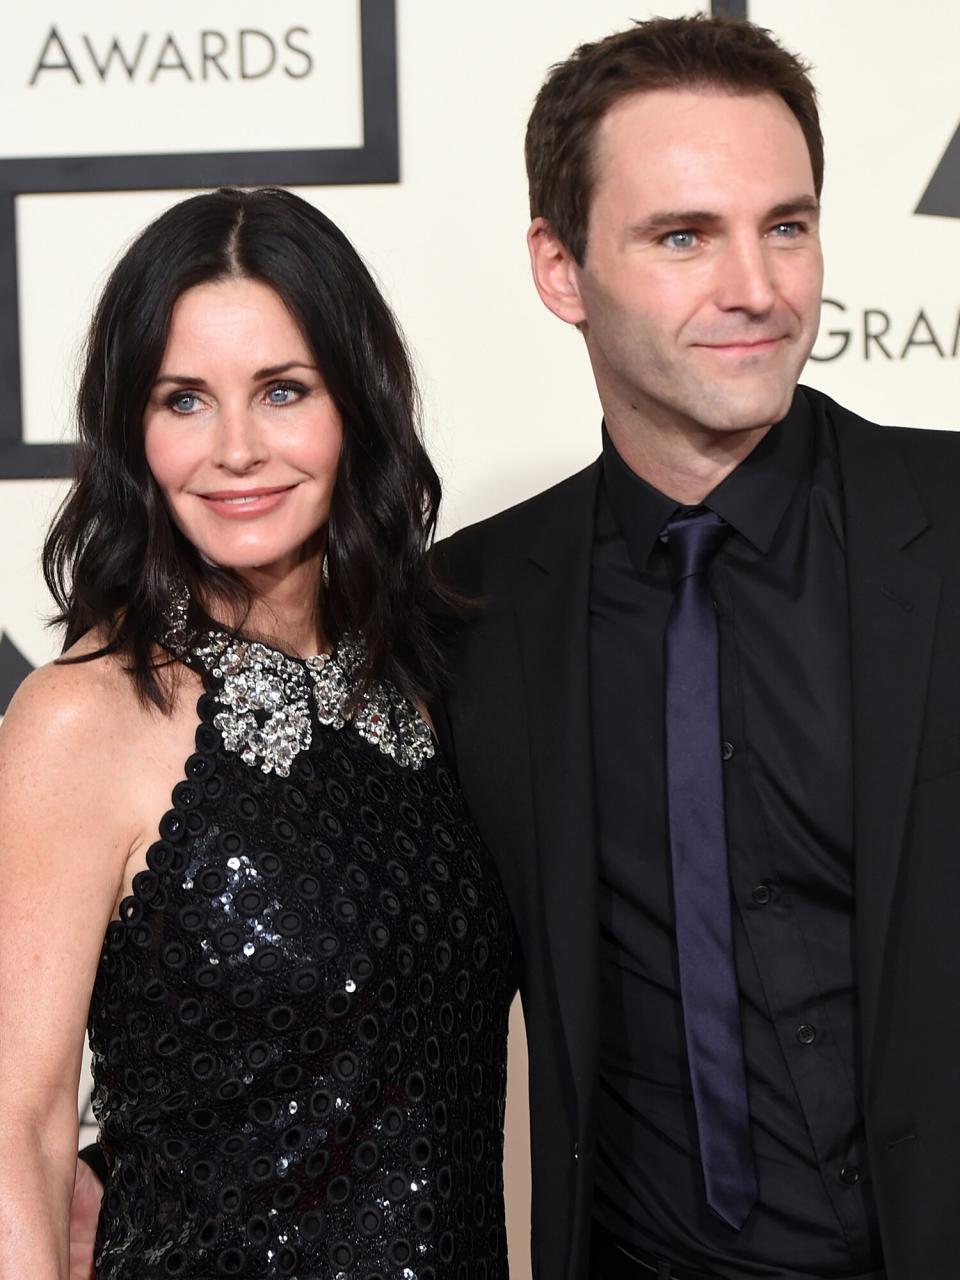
780,588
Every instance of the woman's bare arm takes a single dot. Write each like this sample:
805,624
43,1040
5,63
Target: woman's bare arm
64,748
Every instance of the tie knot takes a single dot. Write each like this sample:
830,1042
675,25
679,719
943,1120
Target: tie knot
692,542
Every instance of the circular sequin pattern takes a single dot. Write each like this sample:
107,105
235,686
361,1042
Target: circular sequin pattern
299,1023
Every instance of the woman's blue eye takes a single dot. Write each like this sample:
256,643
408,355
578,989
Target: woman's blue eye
284,393
183,402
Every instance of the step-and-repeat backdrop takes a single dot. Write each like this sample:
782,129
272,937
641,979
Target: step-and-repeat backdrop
404,122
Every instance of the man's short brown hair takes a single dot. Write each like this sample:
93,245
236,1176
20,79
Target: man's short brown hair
728,54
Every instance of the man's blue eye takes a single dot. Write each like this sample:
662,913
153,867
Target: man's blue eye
788,229
681,239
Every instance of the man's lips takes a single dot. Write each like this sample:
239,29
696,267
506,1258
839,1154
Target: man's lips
751,346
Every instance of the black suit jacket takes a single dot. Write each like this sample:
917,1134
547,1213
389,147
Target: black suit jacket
517,721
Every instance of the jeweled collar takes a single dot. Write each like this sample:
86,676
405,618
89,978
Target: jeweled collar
266,695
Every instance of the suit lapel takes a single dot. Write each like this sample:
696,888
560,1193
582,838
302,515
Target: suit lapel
553,622
893,608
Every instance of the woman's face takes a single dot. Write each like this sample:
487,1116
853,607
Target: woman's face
240,432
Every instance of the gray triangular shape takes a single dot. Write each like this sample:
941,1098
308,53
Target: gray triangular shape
86,1112
942,196
14,668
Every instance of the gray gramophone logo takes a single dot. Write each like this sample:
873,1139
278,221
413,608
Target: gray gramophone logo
942,196
14,667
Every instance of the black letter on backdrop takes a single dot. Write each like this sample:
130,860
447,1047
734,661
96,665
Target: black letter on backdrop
255,75
305,54
843,334
116,51
214,57
875,335
178,63
913,340
53,38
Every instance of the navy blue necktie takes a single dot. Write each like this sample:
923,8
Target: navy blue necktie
701,885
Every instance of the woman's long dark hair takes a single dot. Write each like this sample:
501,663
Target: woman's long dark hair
113,554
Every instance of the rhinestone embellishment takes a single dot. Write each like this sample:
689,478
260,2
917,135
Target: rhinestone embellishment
266,696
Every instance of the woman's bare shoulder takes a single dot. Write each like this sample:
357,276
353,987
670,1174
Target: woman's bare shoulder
80,750
72,699
84,702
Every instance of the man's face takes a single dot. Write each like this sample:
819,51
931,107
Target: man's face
700,289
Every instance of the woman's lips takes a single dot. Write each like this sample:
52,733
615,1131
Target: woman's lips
244,504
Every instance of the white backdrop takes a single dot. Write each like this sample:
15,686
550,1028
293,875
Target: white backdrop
510,405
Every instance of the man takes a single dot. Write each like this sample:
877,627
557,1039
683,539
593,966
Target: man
728,835
707,714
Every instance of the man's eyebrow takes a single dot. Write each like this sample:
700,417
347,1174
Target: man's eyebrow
799,204
680,219
672,220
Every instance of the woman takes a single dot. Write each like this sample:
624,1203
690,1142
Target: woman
298,1014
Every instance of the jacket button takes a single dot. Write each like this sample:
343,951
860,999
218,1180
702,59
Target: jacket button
762,895
806,1034
850,1174
726,750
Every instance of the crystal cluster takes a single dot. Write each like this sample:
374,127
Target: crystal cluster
266,697
266,714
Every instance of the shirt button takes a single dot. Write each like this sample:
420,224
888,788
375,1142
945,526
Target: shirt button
850,1174
727,750
762,895
806,1034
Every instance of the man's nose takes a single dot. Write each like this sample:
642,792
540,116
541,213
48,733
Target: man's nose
745,281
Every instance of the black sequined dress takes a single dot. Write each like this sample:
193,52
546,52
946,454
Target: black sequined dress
299,1022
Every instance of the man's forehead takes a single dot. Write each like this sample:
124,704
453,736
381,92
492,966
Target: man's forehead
686,102
703,140
662,118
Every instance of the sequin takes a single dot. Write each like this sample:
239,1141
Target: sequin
299,1020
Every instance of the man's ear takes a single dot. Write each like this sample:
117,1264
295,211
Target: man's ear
555,272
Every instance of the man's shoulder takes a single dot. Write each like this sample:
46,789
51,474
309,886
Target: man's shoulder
472,553
921,443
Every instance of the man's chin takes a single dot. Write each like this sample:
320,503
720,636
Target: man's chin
749,412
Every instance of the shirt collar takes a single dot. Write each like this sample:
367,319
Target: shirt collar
753,498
